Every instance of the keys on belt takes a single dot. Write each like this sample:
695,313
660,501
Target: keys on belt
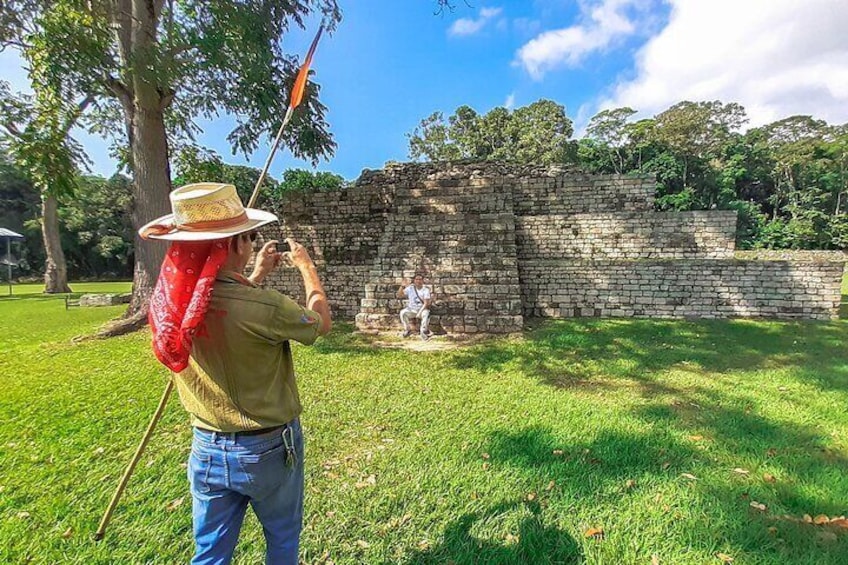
288,443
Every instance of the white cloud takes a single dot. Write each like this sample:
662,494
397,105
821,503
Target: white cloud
775,57
468,26
509,103
604,22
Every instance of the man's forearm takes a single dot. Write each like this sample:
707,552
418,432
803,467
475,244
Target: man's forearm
316,298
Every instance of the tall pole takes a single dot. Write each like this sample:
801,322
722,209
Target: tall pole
101,529
9,261
270,158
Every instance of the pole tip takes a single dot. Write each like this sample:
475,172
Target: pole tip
99,536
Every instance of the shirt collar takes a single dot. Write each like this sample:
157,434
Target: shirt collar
234,277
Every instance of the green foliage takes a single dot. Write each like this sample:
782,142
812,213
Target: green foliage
788,180
750,223
194,164
35,132
537,133
19,201
203,58
505,452
610,129
300,180
97,232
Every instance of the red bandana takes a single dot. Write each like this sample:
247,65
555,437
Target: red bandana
181,298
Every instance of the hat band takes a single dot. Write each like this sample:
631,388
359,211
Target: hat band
206,225
210,225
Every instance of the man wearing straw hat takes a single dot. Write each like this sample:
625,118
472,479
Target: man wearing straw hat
227,342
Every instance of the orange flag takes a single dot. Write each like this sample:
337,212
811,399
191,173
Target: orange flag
300,81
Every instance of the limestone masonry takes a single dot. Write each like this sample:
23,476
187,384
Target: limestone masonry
499,243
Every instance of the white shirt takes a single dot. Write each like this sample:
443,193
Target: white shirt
416,301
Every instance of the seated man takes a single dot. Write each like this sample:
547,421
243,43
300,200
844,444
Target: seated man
418,305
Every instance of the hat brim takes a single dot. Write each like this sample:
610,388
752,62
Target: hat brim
255,219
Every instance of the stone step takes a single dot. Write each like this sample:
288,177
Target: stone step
442,324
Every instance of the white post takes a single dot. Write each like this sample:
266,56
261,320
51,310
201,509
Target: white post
9,259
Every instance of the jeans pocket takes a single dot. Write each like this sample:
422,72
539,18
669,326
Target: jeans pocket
199,468
263,472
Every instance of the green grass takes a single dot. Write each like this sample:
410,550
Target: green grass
36,290
504,452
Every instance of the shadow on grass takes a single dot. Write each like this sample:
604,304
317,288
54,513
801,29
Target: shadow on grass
796,453
534,541
570,353
345,340
600,468
611,355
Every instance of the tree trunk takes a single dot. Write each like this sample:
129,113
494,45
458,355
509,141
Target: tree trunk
55,270
151,185
144,104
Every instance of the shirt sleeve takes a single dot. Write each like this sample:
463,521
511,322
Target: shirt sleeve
293,321
425,293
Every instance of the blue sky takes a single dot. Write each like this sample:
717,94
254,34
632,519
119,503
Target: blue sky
390,64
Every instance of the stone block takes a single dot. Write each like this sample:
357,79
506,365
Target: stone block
95,300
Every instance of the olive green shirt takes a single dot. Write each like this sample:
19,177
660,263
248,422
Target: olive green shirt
240,374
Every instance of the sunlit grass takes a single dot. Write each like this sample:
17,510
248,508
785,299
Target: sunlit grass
662,434
34,290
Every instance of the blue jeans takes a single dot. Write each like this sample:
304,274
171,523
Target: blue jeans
226,472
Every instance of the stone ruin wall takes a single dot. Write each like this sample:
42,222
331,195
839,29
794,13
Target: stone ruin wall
499,243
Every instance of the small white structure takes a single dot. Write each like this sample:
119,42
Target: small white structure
9,236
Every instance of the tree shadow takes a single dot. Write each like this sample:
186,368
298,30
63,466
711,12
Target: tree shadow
345,340
602,467
799,453
572,353
534,542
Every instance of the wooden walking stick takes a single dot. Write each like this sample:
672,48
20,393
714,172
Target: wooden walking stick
296,97
101,529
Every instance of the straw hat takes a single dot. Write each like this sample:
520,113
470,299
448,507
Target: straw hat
204,211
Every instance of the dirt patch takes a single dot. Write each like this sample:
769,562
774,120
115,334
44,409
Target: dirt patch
415,343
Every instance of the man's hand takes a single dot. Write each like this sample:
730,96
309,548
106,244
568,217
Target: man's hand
298,255
267,259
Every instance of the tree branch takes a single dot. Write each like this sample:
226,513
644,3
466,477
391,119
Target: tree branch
447,5
167,98
17,44
12,129
74,116
119,89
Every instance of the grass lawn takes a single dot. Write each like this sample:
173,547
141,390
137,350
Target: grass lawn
36,290
680,440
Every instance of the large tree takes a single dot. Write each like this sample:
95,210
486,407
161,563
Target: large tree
610,129
154,66
696,131
537,133
36,132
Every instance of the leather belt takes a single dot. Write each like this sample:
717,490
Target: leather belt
258,432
